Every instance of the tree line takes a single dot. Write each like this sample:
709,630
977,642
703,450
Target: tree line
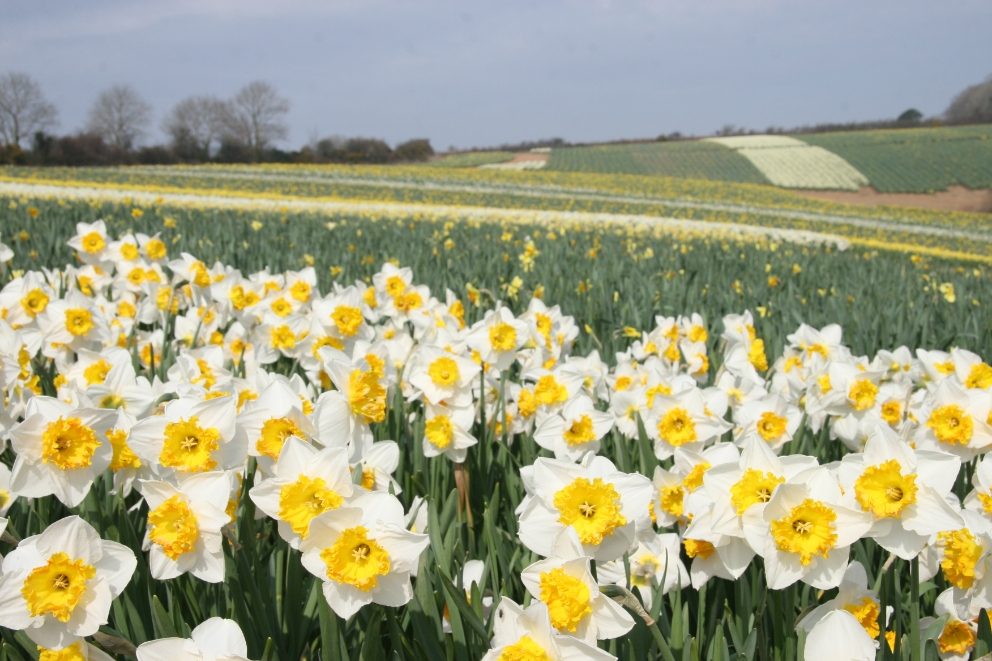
242,129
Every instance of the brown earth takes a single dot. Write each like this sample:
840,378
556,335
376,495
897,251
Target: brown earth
955,198
523,157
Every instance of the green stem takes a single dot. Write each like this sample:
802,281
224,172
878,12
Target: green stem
915,644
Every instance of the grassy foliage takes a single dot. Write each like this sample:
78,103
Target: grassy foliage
690,159
916,160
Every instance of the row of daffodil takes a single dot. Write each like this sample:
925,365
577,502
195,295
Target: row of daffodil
184,434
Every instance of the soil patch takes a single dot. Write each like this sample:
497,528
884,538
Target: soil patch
524,157
955,198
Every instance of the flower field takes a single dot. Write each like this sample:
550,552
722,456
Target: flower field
791,163
691,159
414,413
915,160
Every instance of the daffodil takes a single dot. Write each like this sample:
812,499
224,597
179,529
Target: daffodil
363,553
838,635
58,586
854,597
497,337
521,633
804,532
446,431
60,450
955,419
603,506
191,436
906,492
575,604
959,634
342,416
771,419
577,429
183,528
689,419
655,567
271,419
305,483
442,377
215,639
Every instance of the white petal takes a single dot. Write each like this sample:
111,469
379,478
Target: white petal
217,637
839,637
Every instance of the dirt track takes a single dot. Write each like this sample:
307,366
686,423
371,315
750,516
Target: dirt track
955,198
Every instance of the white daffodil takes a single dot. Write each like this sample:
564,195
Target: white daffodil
980,497
471,576
853,597
520,633
956,420
575,604
685,419
80,650
442,377
376,467
60,450
904,491
90,241
838,635
306,482
497,337
215,639
576,430
687,475
771,418
446,431
805,533
58,586
271,419
971,370
655,567
7,497
363,553
962,555
184,522
735,489
960,633
125,464
70,324
342,416
191,436
604,506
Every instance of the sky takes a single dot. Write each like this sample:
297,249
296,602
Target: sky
476,73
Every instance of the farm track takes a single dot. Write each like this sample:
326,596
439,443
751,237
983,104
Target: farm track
556,192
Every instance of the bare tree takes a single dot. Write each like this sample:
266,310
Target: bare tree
120,116
23,108
193,124
973,105
255,117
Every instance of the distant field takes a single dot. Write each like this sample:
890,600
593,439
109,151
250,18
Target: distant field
916,160
690,159
472,159
891,161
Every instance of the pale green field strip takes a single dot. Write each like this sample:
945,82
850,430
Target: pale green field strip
555,192
694,159
791,163
399,210
916,160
